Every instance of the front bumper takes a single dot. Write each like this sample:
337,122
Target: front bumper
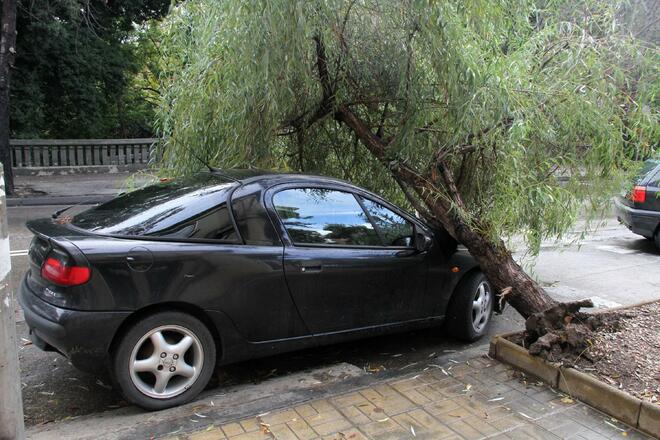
83,337
639,221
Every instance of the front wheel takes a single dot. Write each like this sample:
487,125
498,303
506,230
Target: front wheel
470,308
164,360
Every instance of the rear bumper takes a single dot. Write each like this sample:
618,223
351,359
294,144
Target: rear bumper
639,221
83,337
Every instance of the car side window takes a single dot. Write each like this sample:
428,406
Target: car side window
324,216
214,225
394,229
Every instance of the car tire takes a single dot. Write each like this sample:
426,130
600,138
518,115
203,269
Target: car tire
657,239
470,308
164,360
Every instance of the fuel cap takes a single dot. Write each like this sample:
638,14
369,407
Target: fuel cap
140,259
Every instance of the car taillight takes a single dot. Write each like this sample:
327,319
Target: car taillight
59,272
638,194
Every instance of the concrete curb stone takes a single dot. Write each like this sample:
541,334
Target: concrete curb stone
519,357
601,396
649,419
612,401
81,169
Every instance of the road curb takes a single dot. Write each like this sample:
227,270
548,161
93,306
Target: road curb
604,397
649,419
518,357
612,401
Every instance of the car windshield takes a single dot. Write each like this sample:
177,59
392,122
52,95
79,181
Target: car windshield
156,208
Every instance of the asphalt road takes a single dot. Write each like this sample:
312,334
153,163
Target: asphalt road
612,266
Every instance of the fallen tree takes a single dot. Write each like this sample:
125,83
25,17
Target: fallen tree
488,118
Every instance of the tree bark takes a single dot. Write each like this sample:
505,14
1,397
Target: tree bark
7,52
497,263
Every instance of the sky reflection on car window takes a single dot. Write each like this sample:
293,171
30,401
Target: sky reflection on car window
155,208
322,216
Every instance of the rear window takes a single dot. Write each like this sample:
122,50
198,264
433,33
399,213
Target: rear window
647,168
180,208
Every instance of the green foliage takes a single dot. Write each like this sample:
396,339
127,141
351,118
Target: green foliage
76,67
537,107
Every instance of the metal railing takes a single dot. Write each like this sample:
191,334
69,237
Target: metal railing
80,152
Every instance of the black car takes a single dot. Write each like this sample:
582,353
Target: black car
639,209
160,285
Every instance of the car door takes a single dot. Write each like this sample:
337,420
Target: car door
341,273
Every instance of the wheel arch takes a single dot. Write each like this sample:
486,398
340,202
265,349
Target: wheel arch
183,307
464,276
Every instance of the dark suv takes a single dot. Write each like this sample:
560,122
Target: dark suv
639,209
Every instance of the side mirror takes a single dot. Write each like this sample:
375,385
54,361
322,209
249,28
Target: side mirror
423,242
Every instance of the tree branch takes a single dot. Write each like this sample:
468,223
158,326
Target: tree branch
466,147
410,196
373,143
379,132
325,106
322,67
342,41
448,178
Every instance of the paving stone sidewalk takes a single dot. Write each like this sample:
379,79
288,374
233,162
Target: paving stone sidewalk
479,398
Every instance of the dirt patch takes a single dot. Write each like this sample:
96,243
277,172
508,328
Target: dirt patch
626,352
622,350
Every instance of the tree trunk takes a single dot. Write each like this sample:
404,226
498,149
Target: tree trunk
7,51
506,276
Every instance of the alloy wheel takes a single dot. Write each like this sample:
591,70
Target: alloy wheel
481,306
166,361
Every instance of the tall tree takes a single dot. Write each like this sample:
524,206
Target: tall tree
7,52
77,61
492,118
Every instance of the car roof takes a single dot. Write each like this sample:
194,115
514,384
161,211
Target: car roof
246,176
267,179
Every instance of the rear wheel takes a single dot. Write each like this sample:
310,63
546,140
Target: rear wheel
164,360
470,308
657,238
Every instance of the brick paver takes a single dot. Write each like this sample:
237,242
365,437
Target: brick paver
480,398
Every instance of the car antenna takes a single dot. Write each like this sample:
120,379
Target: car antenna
204,162
57,213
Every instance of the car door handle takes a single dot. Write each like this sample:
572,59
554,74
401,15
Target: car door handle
311,268
408,253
